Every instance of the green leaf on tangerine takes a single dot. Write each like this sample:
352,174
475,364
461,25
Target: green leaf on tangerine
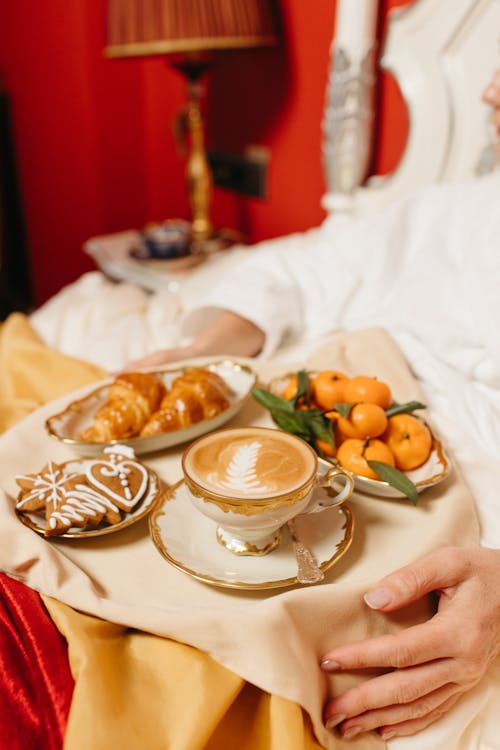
303,385
270,401
396,479
308,424
343,409
317,425
290,423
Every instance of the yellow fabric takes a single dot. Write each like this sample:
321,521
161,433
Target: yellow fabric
133,689
140,690
31,374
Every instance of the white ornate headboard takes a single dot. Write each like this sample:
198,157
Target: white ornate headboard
442,54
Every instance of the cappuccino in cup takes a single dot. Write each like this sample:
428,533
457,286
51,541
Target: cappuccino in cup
252,480
249,463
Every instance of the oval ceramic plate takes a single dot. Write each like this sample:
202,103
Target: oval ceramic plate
78,415
187,540
36,522
434,470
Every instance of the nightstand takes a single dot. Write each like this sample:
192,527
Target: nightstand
112,255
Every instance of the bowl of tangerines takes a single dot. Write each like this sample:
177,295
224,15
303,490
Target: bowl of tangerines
354,422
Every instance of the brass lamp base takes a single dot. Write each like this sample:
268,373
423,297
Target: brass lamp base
198,173
217,240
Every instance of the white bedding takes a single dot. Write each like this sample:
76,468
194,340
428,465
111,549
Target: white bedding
428,270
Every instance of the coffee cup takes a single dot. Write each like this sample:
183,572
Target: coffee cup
251,480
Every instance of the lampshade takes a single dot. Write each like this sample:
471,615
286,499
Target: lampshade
190,31
159,27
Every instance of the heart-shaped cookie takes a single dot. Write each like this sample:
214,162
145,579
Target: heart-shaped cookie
119,476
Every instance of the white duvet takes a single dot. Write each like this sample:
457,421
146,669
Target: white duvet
428,270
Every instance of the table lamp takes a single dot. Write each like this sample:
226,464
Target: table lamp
190,31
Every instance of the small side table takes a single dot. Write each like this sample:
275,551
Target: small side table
112,255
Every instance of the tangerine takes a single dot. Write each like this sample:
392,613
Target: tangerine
329,388
354,454
290,390
364,420
409,439
363,388
324,448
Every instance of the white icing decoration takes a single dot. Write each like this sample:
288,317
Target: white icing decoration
124,450
50,483
109,469
79,504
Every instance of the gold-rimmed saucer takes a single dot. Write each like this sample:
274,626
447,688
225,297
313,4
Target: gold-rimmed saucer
187,540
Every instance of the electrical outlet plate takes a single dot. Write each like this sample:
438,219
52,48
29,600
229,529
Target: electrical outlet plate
243,174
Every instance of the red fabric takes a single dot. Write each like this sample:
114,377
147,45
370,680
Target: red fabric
35,681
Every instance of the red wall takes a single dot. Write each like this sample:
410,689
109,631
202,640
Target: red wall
93,136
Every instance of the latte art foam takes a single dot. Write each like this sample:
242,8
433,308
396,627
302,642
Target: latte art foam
250,462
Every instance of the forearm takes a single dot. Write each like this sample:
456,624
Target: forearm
229,334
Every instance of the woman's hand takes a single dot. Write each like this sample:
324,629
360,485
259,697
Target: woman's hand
434,663
161,357
227,334
491,96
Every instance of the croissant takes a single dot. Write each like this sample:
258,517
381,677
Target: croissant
138,386
176,413
212,391
196,395
132,398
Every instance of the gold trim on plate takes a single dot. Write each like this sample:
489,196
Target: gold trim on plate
154,495
154,442
365,484
156,535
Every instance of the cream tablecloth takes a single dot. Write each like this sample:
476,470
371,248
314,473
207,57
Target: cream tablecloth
273,639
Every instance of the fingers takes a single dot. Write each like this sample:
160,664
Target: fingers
434,662
151,360
495,120
441,569
412,726
400,688
406,719
491,94
156,359
406,648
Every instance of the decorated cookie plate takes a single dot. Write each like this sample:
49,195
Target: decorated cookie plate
187,540
67,425
87,489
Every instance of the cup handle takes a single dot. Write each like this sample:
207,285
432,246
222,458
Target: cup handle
329,479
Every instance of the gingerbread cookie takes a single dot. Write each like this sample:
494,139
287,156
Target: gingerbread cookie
119,475
44,490
81,507
106,487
